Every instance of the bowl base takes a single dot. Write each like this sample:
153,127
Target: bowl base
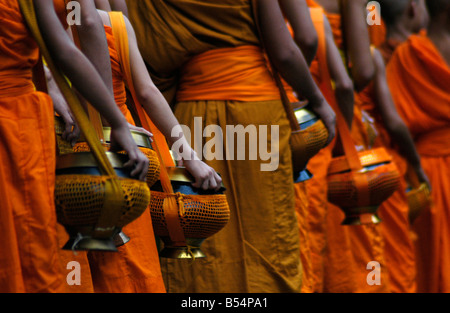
361,219
83,243
182,253
120,239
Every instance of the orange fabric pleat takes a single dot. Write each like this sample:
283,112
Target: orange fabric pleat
301,209
28,253
238,73
399,248
135,268
343,252
419,78
120,94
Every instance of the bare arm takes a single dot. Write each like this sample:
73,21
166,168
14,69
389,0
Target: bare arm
103,5
162,116
88,82
358,42
344,90
392,121
297,14
93,40
289,61
119,5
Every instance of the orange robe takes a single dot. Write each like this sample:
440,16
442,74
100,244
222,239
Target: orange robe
398,245
135,267
29,252
387,48
242,257
419,78
350,248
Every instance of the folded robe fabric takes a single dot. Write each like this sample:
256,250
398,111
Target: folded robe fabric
28,255
258,250
348,250
419,77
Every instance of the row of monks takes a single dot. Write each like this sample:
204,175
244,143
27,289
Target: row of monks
208,59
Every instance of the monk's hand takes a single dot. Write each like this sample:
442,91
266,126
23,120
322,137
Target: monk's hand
205,176
141,130
327,115
121,140
71,130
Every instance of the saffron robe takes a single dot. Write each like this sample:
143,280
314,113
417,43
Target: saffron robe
419,77
29,252
223,78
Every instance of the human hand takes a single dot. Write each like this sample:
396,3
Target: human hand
204,175
327,115
138,163
141,130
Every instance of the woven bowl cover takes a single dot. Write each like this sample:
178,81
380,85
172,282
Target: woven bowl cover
307,143
201,216
382,180
79,199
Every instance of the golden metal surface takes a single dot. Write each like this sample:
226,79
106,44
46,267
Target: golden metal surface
87,159
140,139
304,115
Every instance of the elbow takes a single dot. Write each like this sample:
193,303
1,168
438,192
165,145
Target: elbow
396,128
345,87
362,78
308,45
147,95
90,20
283,58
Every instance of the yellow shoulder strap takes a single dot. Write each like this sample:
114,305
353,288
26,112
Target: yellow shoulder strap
115,197
170,205
317,16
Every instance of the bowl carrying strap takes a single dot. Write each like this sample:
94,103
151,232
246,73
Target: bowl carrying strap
325,85
171,205
114,202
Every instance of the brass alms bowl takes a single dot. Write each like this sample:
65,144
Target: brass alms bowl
81,197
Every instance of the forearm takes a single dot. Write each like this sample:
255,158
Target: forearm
358,42
161,114
75,65
93,41
119,5
345,101
103,5
305,35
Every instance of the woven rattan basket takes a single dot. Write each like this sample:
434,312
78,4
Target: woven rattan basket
141,140
309,140
359,194
201,214
81,196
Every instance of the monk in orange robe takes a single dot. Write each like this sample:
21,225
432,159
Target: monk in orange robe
304,33
29,259
241,257
350,249
401,18
419,75
136,268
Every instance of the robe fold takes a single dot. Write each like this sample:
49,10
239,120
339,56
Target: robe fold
223,79
135,268
343,252
419,78
398,245
29,251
